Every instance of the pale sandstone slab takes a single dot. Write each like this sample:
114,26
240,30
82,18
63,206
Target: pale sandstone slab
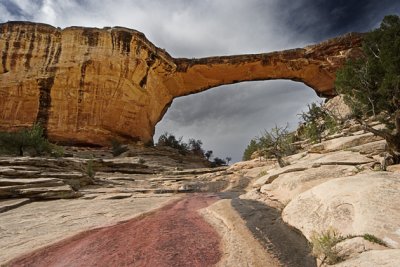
343,158
289,185
362,204
352,247
345,142
41,223
374,258
8,181
9,204
370,148
239,246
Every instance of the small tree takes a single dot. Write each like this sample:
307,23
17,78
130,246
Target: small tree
228,159
277,143
317,120
208,154
167,139
371,84
195,147
250,149
219,162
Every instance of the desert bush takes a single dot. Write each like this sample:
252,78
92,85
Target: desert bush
324,246
277,143
17,143
252,147
262,173
57,151
374,239
218,162
317,121
195,147
208,154
90,172
141,161
371,83
117,148
167,139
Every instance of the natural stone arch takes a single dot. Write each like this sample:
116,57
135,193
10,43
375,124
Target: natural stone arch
89,85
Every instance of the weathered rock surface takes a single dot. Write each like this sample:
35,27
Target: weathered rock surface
89,85
39,224
236,238
361,204
354,246
289,185
387,258
345,142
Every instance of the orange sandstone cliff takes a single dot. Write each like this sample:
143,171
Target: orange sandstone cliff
89,85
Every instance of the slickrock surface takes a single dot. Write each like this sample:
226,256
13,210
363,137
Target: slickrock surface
175,235
39,224
387,258
89,85
356,205
236,238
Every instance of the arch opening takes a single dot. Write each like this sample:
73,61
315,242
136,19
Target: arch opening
227,117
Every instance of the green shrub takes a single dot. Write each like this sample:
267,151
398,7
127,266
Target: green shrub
90,169
374,239
277,143
218,162
57,151
19,142
324,246
167,139
318,121
262,173
252,147
141,161
370,83
117,148
208,154
194,146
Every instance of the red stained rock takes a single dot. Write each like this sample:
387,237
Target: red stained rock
175,235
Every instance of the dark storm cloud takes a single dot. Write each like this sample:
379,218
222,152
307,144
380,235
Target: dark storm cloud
12,8
321,19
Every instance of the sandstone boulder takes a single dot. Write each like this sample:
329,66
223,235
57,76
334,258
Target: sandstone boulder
350,248
338,107
374,258
289,185
345,142
361,204
342,158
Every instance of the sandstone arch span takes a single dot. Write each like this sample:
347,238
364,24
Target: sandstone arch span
89,85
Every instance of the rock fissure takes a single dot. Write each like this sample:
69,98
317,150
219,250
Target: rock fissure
118,99
42,117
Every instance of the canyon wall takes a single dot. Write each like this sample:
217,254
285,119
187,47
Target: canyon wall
88,86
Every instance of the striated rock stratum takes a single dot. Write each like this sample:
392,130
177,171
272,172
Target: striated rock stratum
89,85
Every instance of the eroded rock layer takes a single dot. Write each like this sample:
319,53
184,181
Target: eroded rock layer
89,85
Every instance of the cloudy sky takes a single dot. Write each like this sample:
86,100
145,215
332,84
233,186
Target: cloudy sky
227,117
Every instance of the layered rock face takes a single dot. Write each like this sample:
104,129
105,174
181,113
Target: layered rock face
89,85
